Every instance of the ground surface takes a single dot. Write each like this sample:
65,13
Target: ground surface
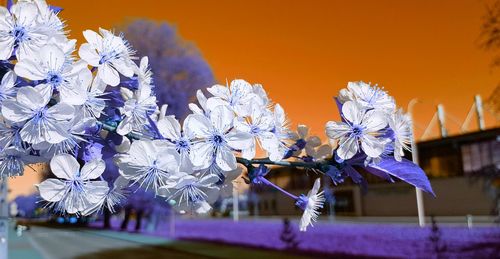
41,242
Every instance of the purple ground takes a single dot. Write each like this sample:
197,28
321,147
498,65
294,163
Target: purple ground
372,240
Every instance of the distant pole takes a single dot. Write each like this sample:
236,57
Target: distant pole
469,221
414,155
479,111
441,119
236,199
4,219
172,218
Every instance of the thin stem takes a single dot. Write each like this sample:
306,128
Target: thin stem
243,161
112,128
269,183
267,161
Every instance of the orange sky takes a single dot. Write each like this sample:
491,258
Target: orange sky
303,52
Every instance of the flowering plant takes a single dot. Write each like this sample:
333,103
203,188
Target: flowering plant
64,110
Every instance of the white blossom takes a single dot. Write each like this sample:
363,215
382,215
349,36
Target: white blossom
277,148
217,138
75,191
190,193
238,96
20,31
13,160
58,73
109,53
41,123
144,74
315,149
311,205
359,126
95,100
259,124
75,133
150,164
181,140
136,111
367,96
400,124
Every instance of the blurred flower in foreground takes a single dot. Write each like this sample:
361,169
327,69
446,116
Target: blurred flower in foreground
310,204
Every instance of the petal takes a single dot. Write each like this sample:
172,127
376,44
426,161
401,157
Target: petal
45,90
348,147
249,153
214,102
35,132
89,54
279,115
197,125
30,97
372,146
195,109
97,190
201,154
92,37
72,94
303,130
168,160
323,151
15,112
313,141
374,120
335,130
143,152
29,69
241,125
6,48
61,112
169,128
52,190
108,75
225,159
9,79
222,118
93,169
64,166
219,91
25,12
52,57
240,87
352,112
239,140
125,126
315,189
202,100
124,67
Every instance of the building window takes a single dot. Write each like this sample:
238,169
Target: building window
479,156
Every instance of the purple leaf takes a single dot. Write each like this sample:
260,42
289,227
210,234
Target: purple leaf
379,173
356,177
55,9
339,106
406,171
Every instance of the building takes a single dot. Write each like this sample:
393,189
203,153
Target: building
461,170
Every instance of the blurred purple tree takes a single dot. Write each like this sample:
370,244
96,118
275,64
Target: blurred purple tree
179,68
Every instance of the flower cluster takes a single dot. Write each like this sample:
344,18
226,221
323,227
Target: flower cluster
67,110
